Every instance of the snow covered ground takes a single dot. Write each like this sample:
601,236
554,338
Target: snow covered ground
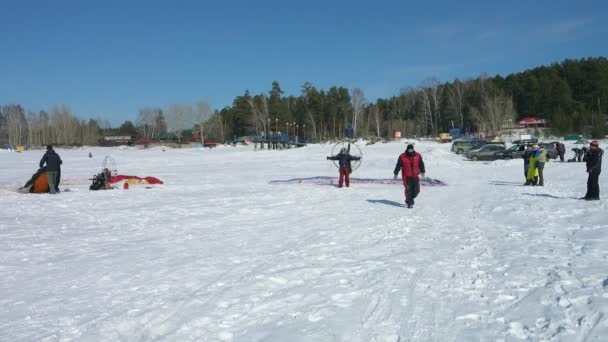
219,254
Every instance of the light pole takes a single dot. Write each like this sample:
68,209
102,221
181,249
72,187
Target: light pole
268,133
297,127
304,133
276,126
294,132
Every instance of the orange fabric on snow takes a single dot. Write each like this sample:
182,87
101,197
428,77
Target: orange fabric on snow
41,184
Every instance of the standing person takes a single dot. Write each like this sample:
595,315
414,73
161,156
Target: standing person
413,166
344,159
561,150
532,177
540,164
526,156
593,158
580,153
53,168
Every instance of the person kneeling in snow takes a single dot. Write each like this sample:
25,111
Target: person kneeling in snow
413,167
344,159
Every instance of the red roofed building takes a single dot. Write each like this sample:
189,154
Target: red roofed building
531,122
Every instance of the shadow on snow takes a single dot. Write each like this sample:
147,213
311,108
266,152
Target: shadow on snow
387,202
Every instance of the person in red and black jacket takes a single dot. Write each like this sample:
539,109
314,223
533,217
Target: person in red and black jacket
413,166
344,159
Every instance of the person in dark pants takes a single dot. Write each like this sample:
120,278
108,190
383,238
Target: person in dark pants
561,150
526,157
580,153
344,159
53,168
593,158
412,167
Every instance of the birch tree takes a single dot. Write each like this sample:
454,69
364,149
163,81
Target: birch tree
495,112
376,115
16,124
149,122
457,94
358,103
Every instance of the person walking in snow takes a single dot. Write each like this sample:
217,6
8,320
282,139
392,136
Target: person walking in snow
53,168
412,167
593,159
344,166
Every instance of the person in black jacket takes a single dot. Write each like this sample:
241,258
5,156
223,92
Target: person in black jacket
344,159
593,158
53,168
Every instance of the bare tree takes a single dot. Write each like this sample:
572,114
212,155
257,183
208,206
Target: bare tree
16,124
457,93
148,122
65,126
178,119
358,103
259,118
202,113
496,112
431,94
428,122
376,114
90,132
32,129
182,117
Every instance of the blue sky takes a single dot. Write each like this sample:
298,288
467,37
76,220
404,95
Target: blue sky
108,59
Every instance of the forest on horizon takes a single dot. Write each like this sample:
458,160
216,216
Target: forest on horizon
572,96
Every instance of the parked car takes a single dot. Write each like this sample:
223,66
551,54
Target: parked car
462,146
517,150
526,141
486,152
513,152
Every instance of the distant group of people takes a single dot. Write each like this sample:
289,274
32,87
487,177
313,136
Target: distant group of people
535,158
579,153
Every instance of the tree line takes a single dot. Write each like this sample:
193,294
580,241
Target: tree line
572,96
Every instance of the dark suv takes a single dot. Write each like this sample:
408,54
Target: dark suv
517,150
486,152
462,146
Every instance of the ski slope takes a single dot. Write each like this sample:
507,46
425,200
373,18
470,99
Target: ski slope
220,254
